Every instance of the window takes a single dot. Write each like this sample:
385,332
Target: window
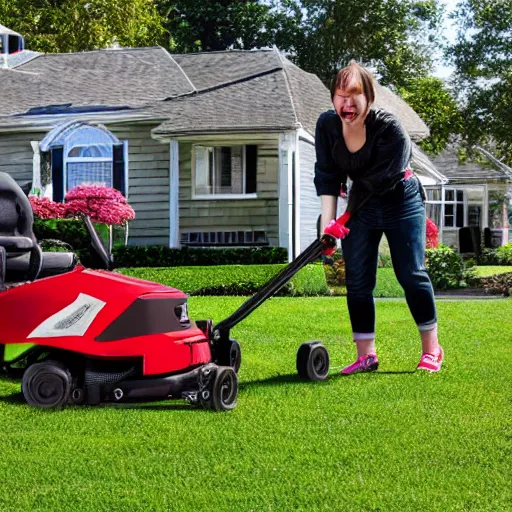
225,170
453,208
89,164
76,153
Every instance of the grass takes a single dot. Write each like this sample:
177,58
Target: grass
487,271
391,441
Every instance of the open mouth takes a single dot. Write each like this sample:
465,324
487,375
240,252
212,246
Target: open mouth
348,115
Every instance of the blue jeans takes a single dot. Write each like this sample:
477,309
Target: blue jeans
400,215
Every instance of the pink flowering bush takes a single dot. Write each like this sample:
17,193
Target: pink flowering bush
45,208
432,234
102,204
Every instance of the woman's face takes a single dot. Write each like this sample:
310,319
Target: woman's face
349,106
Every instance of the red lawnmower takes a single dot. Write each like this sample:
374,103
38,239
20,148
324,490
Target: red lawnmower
86,336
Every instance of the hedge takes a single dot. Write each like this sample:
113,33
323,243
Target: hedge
233,279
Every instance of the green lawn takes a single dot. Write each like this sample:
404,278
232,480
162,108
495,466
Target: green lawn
486,271
391,441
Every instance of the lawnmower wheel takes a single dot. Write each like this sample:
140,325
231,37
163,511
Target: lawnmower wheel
313,361
224,391
46,384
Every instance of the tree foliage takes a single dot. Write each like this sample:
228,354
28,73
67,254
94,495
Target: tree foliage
434,103
395,36
482,56
79,25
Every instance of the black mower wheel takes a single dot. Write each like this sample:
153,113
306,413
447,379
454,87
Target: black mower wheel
313,361
224,389
46,384
230,354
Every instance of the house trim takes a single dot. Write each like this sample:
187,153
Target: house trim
174,185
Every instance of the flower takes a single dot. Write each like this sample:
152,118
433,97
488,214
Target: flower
102,204
432,234
45,208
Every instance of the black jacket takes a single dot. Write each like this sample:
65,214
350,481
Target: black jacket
375,169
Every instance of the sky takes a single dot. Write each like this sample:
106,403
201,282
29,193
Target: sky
443,71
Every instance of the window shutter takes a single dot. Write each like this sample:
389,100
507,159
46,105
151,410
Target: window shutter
58,173
118,168
202,175
251,158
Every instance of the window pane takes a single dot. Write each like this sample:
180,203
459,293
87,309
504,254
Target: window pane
222,183
434,213
449,195
448,209
474,215
460,196
91,173
448,221
496,200
434,194
460,215
237,176
251,159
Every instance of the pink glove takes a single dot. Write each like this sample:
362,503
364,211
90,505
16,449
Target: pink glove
336,228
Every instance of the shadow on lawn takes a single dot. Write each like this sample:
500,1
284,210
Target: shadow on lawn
295,379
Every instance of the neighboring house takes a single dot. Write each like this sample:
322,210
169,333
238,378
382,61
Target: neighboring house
471,195
212,149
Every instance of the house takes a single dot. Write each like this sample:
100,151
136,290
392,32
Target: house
211,149
471,194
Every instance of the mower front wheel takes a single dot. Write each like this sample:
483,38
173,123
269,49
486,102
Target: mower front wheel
46,384
313,361
222,391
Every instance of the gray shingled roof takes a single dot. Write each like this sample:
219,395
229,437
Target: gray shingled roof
210,69
261,103
232,90
131,77
447,163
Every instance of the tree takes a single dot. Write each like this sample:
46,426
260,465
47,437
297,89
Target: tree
482,56
199,25
395,36
80,25
434,103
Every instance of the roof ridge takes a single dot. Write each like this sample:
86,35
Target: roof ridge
287,82
256,50
223,85
181,69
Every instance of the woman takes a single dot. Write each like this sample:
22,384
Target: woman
371,148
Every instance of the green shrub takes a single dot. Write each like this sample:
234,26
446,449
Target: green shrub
500,256
232,279
161,256
72,232
445,268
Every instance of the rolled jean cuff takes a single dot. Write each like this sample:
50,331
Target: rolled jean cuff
428,326
358,336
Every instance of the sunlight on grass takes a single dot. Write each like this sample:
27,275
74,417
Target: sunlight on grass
396,440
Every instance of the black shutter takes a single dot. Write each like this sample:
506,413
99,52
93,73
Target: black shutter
119,179
251,158
58,174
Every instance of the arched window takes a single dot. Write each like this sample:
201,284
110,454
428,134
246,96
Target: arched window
84,154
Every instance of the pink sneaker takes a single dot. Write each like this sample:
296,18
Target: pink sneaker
367,363
430,362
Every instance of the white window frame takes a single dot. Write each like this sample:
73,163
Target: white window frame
85,159
206,197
